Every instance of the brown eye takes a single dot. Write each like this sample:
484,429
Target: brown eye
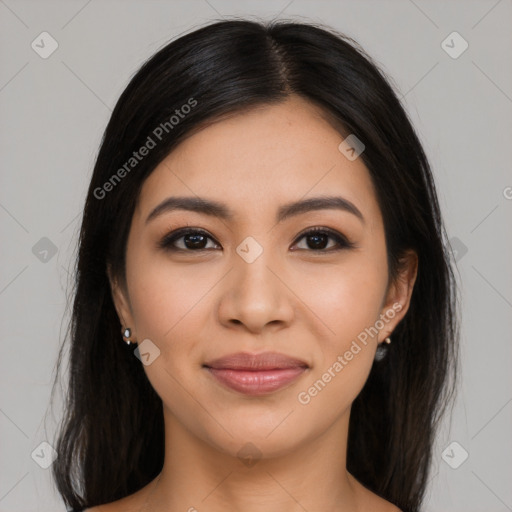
193,240
317,239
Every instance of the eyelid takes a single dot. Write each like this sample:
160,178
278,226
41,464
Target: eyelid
343,242
166,242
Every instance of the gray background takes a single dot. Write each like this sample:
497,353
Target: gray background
54,110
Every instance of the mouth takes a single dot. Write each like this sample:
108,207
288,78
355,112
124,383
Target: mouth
257,374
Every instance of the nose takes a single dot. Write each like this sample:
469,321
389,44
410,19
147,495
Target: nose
255,297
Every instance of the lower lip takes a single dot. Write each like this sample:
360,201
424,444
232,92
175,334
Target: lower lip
256,382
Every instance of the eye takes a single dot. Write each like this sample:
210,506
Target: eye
193,240
317,240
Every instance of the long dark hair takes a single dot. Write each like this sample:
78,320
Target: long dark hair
111,439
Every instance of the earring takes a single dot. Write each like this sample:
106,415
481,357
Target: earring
382,349
127,332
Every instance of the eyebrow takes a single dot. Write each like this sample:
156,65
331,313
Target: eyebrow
220,210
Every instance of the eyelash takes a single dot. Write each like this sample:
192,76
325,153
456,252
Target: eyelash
167,242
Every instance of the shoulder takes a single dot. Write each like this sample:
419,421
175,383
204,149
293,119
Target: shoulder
115,506
379,504
369,500
383,505
132,503
376,503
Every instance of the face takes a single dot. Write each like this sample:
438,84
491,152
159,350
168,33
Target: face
255,282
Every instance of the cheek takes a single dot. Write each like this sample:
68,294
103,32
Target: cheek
172,307
163,295
349,303
169,306
346,297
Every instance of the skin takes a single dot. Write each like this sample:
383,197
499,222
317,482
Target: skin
293,299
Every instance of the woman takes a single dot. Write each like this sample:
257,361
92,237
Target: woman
262,225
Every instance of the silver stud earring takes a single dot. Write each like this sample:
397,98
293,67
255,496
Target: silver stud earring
387,340
127,332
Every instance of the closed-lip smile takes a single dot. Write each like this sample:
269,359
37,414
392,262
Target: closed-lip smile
256,374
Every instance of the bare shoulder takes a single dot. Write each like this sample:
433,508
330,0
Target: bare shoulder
108,507
376,505
115,506
369,500
132,503
379,504
392,508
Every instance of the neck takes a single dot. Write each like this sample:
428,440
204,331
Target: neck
197,475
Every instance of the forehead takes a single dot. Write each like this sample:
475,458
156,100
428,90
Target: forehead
258,159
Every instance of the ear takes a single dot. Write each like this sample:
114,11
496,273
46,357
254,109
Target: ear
399,294
121,301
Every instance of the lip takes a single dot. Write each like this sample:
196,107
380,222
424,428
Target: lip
251,362
256,374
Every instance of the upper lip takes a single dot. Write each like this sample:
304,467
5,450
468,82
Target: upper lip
263,361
